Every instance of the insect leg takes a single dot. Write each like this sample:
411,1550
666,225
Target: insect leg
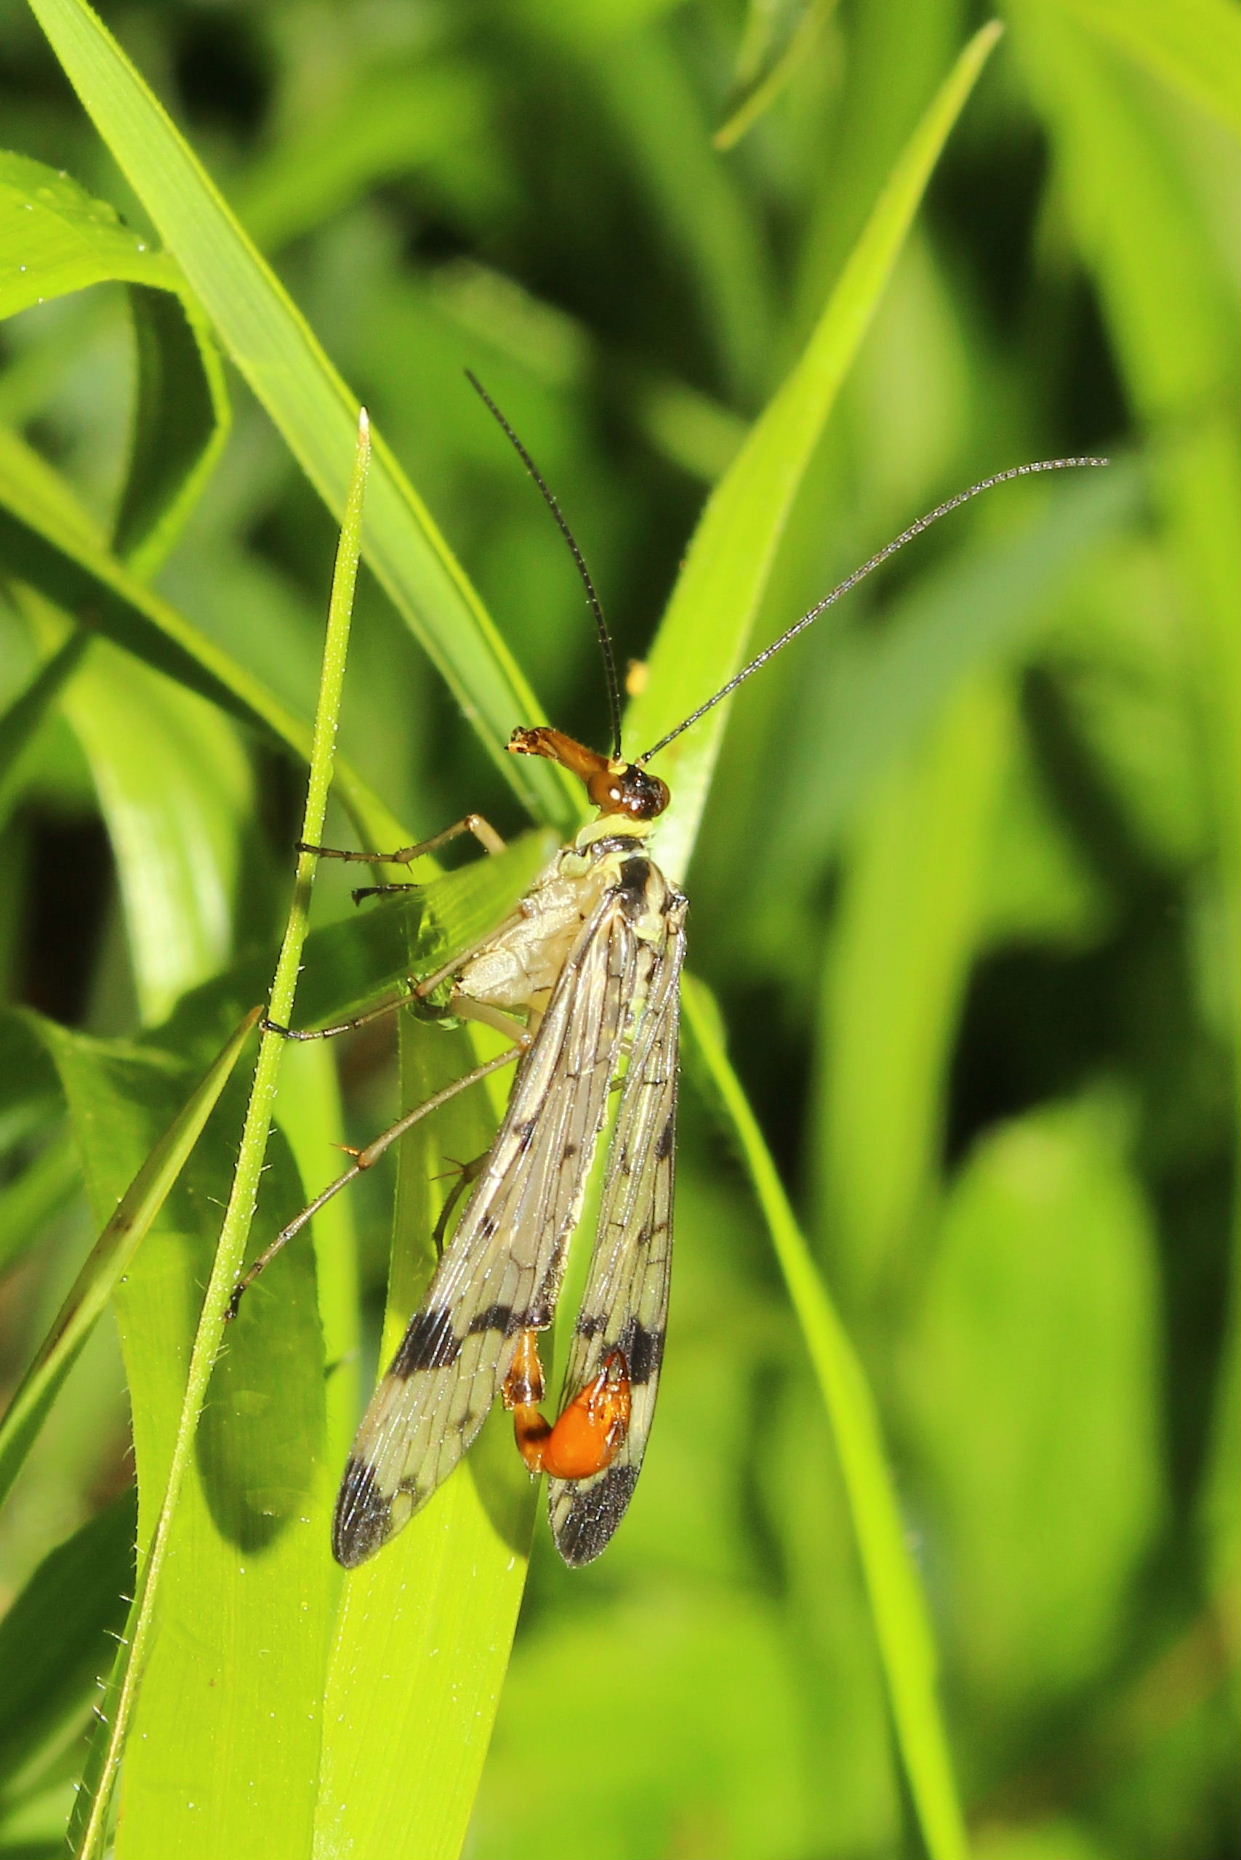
466,1173
364,1159
388,1006
482,830
465,1008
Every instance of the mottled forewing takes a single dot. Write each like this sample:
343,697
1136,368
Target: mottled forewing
506,1252
625,1304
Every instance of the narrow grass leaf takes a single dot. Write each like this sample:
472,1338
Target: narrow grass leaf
899,1612
116,1246
904,939
169,1533
181,422
273,346
703,636
25,716
175,790
405,1740
48,540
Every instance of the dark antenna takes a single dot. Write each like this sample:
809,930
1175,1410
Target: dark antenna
596,605
860,574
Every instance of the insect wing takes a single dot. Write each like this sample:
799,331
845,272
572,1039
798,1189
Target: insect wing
502,1270
625,1304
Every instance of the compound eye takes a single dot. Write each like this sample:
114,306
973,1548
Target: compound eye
629,790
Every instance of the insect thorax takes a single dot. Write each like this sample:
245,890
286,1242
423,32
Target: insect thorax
518,967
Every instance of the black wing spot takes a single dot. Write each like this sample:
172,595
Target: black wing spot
497,1317
363,1521
594,1515
645,1352
429,1343
667,1137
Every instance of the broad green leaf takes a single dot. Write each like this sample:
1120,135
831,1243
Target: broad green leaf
51,543
897,965
405,1740
1031,1385
175,790
55,239
352,963
58,1635
26,714
48,540
32,1199
1194,45
717,1700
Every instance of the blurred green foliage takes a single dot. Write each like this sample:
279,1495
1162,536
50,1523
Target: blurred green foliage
966,889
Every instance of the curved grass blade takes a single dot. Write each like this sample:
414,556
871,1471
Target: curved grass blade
275,349
47,539
702,638
24,717
906,1645
111,1255
93,1827
181,423
56,239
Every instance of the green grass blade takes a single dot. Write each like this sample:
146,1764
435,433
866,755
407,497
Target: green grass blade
906,1646
54,1635
181,423
48,540
55,548
703,637
272,345
55,238
176,793
112,1253
1195,46
26,715
229,1253
896,971
404,1741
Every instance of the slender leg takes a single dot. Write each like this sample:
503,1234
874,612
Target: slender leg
388,1006
462,1007
364,1159
483,832
466,1174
